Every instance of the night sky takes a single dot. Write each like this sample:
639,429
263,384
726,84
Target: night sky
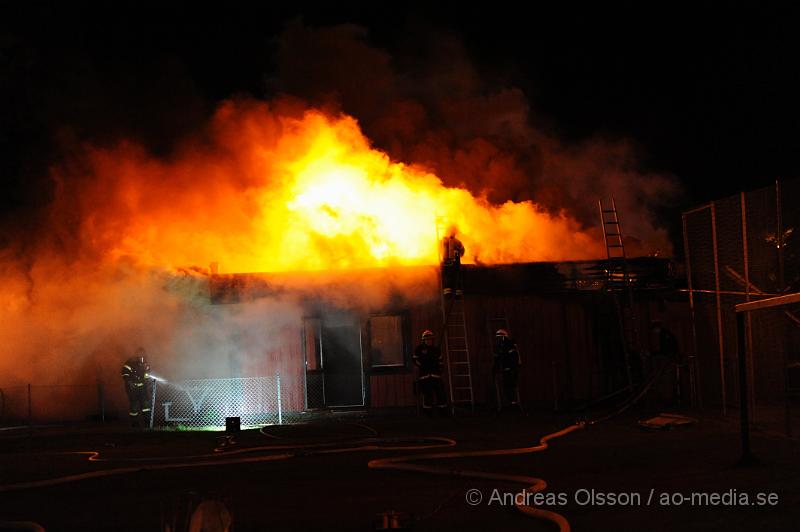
707,93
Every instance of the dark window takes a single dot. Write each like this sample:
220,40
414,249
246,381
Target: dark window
386,342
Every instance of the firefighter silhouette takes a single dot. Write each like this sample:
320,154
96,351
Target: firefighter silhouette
136,375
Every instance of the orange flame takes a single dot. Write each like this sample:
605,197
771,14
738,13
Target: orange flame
277,190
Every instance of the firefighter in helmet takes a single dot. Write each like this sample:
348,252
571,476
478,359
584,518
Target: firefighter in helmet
507,362
136,374
428,359
452,251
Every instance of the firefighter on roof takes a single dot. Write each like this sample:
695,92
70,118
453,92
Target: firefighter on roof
136,374
507,362
452,251
428,359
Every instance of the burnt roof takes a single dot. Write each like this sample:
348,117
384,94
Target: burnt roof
644,273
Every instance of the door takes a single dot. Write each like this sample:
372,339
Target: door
341,361
334,371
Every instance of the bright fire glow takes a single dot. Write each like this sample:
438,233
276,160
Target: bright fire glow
269,191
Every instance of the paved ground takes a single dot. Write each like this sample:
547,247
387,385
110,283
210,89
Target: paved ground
339,492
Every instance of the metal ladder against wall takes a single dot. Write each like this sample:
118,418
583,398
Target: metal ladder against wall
456,345
459,368
618,279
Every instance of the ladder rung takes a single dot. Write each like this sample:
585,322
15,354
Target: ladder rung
460,362
611,222
463,388
609,211
615,246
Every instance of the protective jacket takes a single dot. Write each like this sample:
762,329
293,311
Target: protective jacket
452,250
428,358
135,372
506,355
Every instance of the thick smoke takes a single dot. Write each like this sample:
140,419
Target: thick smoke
429,105
78,296
67,322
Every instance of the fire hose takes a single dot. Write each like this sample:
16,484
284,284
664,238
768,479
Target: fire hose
402,463
534,484
371,444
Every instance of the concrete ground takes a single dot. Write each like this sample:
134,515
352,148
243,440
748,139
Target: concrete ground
610,476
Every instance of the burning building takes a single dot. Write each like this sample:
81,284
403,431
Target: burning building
348,240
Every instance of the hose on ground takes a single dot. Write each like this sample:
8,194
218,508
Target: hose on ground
402,463
222,458
534,484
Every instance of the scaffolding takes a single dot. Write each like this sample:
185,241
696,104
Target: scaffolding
741,249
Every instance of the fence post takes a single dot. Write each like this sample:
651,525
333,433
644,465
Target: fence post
723,385
153,403
747,455
694,392
280,409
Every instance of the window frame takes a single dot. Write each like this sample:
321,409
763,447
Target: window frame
383,369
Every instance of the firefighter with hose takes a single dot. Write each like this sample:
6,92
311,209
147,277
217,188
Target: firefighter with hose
136,375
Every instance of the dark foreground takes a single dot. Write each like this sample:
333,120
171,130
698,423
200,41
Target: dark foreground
611,476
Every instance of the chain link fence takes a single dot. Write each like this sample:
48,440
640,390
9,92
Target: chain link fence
739,249
191,404
207,402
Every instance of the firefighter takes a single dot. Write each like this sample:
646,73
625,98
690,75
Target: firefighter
428,359
452,251
507,362
136,374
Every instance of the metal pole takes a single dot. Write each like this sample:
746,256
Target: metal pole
749,324
280,408
779,236
153,403
724,393
693,382
781,287
747,455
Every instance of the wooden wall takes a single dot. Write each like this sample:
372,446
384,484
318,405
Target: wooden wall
557,336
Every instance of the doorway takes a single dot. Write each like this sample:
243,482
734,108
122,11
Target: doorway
333,361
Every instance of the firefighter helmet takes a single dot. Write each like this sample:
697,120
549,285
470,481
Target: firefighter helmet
427,333
501,333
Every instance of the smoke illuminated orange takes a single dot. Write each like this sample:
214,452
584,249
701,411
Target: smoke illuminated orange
272,190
